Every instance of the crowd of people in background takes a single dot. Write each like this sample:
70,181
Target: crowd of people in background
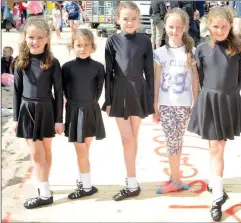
197,12
61,13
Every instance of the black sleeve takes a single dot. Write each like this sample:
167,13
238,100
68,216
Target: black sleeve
3,66
109,59
65,79
58,92
162,7
198,59
150,10
194,6
17,93
149,68
100,81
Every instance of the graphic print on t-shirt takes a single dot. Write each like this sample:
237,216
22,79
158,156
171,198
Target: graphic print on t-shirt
176,79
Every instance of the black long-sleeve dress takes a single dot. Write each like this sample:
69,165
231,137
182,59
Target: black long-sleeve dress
217,113
34,107
83,81
127,91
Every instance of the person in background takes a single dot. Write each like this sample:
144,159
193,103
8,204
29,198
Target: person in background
6,59
157,12
200,7
57,18
34,8
73,11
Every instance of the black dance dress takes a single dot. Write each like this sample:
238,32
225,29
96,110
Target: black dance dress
83,81
217,113
127,90
34,107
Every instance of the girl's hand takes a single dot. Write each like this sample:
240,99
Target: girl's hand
156,117
108,110
15,126
59,128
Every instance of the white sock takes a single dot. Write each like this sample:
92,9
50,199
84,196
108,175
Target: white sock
217,187
132,183
80,177
44,190
86,181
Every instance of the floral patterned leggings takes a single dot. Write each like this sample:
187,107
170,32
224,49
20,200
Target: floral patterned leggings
174,121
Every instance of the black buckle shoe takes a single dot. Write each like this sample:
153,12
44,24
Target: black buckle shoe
216,210
82,193
51,192
209,189
127,193
37,202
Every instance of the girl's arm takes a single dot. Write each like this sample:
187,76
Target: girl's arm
157,80
17,93
109,59
149,68
100,82
195,83
198,59
65,69
58,92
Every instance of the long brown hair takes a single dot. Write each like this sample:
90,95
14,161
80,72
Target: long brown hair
233,42
22,61
186,39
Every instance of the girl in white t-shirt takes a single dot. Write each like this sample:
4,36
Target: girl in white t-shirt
176,90
57,18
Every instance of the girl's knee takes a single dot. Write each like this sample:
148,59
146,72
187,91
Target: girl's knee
38,157
217,148
81,150
128,142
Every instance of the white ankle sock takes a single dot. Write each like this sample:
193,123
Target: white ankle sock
80,177
44,190
132,183
217,187
86,181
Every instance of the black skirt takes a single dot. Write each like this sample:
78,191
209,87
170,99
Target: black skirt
216,115
36,119
130,97
83,120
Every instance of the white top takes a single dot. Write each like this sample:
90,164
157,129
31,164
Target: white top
56,15
176,82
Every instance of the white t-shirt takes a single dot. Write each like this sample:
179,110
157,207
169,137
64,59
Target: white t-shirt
56,16
176,83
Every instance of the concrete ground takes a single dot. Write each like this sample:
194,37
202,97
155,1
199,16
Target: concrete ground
108,173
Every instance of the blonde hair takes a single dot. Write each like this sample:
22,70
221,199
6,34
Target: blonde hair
82,33
186,39
22,61
127,5
234,43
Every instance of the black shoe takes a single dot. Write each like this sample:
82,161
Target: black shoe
37,202
51,192
82,193
216,210
127,193
209,189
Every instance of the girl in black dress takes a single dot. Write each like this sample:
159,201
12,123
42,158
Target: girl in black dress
37,114
83,80
217,113
129,93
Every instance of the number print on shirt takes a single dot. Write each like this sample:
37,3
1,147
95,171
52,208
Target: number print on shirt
177,83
